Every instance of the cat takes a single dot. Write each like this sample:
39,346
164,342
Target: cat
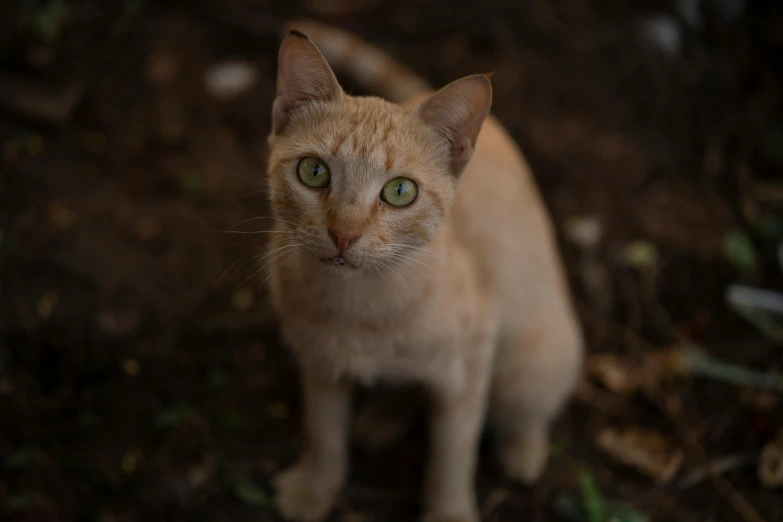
412,246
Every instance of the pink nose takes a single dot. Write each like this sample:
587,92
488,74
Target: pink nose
343,240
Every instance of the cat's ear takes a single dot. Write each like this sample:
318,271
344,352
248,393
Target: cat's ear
303,76
457,111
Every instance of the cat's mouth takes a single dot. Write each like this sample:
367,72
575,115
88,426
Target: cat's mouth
338,261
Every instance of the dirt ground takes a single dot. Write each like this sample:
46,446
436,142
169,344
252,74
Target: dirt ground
141,376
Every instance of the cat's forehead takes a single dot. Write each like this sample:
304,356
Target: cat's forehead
369,135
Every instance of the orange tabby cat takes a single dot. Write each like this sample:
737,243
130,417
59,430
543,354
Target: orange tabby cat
413,247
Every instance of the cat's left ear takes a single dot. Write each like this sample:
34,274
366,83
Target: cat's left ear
303,76
457,111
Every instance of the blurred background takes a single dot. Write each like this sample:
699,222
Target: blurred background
141,376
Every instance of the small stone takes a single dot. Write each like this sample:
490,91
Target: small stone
147,228
199,474
61,216
131,367
584,231
641,255
243,300
35,145
228,80
663,33
6,387
47,304
117,323
130,460
162,68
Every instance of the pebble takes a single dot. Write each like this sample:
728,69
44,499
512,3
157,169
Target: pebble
47,304
663,33
227,80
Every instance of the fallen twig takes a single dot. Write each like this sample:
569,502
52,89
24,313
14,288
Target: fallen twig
29,100
719,466
699,363
672,405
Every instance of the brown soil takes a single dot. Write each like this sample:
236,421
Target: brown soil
138,384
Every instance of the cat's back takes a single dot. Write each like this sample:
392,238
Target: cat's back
503,222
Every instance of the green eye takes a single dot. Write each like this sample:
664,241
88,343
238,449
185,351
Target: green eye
400,192
313,172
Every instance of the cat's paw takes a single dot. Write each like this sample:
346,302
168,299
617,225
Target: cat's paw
304,496
524,458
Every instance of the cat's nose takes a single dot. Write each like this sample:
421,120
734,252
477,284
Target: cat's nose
343,239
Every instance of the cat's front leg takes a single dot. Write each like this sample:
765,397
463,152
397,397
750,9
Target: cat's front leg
455,427
308,491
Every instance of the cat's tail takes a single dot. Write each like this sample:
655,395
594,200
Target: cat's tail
374,70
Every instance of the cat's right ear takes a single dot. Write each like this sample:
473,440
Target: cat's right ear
303,76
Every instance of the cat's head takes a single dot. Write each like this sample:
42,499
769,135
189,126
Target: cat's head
364,182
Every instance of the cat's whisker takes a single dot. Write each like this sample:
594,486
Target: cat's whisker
232,245
260,269
248,220
264,217
287,259
226,271
399,247
283,220
389,267
401,257
256,231
396,264
266,254
251,194
270,217
380,273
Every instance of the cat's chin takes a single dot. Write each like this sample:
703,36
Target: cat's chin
339,266
339,261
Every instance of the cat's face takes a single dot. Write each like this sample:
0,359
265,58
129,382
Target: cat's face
362,182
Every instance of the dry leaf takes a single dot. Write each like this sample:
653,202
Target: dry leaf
61,216
615,373
47,304
131,367
771,463
648,451
199,474
626,375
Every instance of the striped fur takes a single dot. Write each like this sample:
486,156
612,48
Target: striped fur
462,291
